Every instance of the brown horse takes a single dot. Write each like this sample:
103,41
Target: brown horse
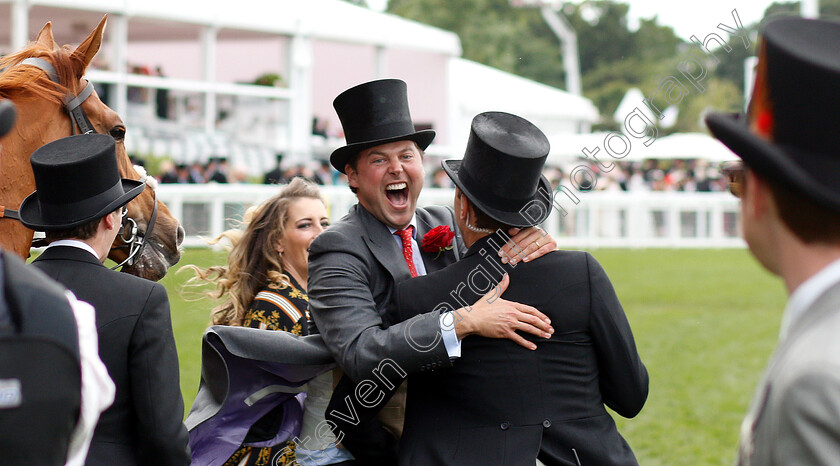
39,94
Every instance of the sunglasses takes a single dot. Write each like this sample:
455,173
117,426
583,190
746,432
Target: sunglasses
734,173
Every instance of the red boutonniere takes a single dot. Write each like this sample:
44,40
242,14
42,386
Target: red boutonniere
438,239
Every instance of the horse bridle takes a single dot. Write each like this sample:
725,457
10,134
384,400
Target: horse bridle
73,104
135,242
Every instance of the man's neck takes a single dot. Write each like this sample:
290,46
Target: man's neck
470,237
800,261
395,227
100,244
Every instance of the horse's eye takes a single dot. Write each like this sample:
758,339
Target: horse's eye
118,133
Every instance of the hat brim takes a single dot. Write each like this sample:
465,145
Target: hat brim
341,156
513,218
808,173
32,217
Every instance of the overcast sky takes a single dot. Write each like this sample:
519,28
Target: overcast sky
698,17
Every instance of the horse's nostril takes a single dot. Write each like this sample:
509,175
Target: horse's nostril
181,234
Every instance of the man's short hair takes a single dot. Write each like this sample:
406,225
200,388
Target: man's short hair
483,220
86,231
809,221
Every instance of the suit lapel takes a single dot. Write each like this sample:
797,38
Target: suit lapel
828,302
425,223
383,246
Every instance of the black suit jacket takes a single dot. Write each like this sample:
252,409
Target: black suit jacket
38,304
144,425
39,351
502,404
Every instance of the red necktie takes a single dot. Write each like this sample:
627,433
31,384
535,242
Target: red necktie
405,236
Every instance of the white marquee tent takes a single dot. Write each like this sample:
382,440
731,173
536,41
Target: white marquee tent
476,88
568,148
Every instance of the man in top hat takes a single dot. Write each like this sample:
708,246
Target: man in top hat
355,264
498,404
46,330
79,202
790,209
276,175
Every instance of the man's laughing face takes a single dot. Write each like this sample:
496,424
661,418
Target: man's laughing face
389,178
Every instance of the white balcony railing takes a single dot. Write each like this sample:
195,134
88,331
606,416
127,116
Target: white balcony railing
600,219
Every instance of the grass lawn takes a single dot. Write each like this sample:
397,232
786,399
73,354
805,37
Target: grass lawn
705,322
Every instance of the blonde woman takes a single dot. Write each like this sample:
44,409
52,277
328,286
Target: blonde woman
263,286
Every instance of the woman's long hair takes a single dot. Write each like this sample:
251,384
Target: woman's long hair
253,260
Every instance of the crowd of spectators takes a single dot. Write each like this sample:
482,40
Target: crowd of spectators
216,170
323,174
650,175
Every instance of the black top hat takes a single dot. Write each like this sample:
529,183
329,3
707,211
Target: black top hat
375,113
791,133
77,181
8,113
501,172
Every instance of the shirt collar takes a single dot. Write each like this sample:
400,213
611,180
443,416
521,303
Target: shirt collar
76,244
413,223
807,293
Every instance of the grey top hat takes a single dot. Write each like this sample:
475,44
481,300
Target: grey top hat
77,181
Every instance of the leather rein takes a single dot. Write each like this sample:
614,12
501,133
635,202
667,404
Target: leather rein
134,242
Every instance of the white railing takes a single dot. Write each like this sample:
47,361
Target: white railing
599,219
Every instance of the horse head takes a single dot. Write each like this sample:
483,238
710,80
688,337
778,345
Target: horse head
43,95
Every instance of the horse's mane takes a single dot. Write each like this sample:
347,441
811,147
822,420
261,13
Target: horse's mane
32,79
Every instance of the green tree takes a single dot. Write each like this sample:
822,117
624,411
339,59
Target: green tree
613,58
362,3
719,95
731,66
493,33
654,42
601,28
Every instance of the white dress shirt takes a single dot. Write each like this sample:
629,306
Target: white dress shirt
76,244
97,387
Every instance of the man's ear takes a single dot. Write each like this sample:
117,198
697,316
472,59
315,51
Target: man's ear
757,194
466,207
352,176
112,221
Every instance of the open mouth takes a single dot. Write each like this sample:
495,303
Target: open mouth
397,194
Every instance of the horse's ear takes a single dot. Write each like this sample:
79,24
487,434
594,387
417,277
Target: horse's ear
45,37
90,46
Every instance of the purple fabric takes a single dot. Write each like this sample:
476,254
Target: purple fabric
215,439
